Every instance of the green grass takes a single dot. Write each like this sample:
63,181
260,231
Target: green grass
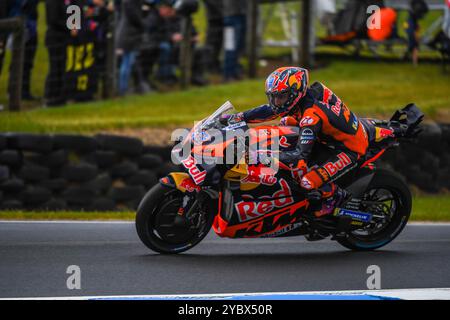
368,88
425,208
65,215
431,208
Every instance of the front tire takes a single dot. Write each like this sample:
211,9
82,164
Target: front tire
385,187
156,226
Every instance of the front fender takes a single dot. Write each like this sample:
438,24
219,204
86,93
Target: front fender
181,181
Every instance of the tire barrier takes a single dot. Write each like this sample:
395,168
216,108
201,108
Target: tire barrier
109,172
74,172
425,162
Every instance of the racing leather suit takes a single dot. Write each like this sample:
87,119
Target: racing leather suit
322,118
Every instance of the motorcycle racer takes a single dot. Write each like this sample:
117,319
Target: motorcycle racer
322,118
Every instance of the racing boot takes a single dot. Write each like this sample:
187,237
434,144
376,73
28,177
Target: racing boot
332,197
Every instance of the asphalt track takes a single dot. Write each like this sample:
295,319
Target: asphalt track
34,258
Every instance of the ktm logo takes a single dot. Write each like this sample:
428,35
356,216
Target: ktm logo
333,167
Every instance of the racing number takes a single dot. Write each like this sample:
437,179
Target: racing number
80,58
82,82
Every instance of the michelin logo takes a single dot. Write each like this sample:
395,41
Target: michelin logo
361,216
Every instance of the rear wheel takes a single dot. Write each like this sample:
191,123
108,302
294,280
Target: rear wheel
160,230
389,201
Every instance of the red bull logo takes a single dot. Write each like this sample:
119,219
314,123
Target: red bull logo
260,174
297,79
334,167
382,133
191,165
248,210
189,185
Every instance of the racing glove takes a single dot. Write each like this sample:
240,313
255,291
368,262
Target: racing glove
299,170
231,118
289,121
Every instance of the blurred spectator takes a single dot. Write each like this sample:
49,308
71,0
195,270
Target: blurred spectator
155,32
98,13
418,9
28,10
5,8
446,24
441,42
326,11
214,32
234,37
161,45
129,38
149,53
56,40
169,30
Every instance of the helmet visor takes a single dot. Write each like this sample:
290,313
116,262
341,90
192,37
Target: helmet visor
278,100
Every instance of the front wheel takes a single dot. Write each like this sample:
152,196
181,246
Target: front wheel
389,201
157,226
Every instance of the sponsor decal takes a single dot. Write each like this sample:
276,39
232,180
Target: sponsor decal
284,143
307,135
356,215
382,133
323,174
336,108
283,230
248,210
200,136
305,183
189,185
355,124
333,167
165,180
235,126
306,121
256,174
271,222
307,132
197,174
235,118
296,79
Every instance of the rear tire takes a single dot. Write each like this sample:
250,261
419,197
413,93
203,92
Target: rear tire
157,208
392,183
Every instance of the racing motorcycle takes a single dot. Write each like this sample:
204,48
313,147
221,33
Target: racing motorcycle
240,199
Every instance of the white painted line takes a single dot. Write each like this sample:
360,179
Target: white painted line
425,223
403,294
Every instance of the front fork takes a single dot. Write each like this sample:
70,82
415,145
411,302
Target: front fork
194,197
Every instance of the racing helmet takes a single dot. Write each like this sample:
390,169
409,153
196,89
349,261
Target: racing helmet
285,87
